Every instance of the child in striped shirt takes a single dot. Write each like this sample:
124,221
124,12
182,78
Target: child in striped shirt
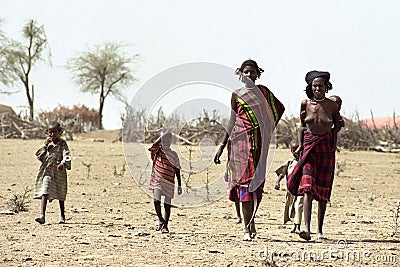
165,167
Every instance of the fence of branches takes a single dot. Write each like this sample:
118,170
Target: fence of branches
354,136
138,126
77,119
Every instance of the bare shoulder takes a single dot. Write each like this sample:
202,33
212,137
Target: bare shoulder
304,103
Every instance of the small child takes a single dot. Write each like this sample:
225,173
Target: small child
293,205
338,101
166,166
51,181
237,208
237,203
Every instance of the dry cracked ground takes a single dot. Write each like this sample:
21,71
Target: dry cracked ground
111,221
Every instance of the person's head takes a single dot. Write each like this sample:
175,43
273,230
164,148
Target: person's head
337,100
249,69
166,139
318,84
294,144
54,130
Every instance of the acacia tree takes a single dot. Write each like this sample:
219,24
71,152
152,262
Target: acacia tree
105,70
3,78
19,58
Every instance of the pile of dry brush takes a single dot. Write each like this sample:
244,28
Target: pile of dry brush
140,127
354,136
74,120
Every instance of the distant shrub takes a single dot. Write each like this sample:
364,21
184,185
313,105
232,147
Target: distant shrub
77,119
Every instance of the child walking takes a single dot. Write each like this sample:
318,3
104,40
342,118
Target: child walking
236,200
166,166
293,205
51,181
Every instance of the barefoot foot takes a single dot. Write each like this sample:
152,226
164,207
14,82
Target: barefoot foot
321,237
40,220
164,229
305,235
253,231
246,236
296,229
160,225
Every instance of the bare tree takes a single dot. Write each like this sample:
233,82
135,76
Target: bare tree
105,70
18,58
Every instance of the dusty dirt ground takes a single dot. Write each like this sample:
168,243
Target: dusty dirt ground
111,222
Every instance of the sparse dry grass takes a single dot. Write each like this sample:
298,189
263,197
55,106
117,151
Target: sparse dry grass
19,201
105,212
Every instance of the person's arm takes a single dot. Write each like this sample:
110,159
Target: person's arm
303,112
300,139
228,130
158,140
41,152
66,160
281,172
278,181
337,125
302,128
341,121
154,149
178,178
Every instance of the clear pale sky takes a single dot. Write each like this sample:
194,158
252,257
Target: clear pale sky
356,41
